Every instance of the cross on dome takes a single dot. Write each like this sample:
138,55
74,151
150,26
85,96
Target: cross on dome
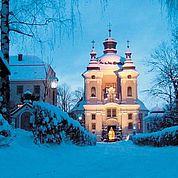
128,43
93,53
128,52
93,44
109,25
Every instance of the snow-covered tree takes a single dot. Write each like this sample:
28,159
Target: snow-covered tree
51,125
5,132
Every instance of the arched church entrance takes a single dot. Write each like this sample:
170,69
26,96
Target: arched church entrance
111,130
25,120
111,133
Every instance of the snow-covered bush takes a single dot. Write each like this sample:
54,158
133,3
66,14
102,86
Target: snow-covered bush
51,125
165,137
5,132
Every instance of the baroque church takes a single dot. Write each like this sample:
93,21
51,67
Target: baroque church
111,98
111,104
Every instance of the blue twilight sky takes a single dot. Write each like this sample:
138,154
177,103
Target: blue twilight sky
140,21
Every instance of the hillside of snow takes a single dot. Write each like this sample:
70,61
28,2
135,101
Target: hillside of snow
23,159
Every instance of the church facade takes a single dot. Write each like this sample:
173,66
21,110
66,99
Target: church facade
111,99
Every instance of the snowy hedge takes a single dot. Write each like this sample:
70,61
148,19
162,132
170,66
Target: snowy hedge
51,125
165,137
5,132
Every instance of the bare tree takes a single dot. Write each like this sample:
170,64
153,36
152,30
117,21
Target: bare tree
65,98
78,94
171,6
32,18
164,62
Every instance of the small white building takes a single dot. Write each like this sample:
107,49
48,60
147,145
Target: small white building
33,74
155,115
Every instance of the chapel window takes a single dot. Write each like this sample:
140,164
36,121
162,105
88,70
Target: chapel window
93,92
129,91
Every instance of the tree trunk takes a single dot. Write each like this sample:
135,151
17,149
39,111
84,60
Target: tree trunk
5,29
4,88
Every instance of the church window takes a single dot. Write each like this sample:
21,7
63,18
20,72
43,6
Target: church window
129,91
111,112
148,126
93,126
130,116
129,77
93,116
93,92
93,77
130,125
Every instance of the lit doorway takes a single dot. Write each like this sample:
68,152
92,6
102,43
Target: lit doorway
111,133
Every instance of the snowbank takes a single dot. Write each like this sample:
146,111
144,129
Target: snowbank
165,137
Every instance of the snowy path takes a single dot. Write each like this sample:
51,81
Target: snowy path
23,159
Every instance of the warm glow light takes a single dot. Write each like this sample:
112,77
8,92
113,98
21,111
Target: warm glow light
80,118
54,82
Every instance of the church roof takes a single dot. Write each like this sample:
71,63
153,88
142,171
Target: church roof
109,58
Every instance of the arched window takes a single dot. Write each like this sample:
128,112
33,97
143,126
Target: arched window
129,91
93,92
93,77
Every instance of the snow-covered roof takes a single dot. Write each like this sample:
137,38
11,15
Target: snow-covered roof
26,60
156,109
153,116
142,105
30,68
79,106
110,57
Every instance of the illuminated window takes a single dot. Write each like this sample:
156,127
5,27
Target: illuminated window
111,112
93,77
93,116
19,89
129,116
93,92
130,125
129,91
93,126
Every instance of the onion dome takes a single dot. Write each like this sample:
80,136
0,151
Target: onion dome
109,44
128,64
93,64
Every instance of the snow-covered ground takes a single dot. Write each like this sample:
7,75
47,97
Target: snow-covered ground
23,159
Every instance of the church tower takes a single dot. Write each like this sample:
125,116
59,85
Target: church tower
128,77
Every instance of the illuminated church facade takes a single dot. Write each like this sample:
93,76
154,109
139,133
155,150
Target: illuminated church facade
111,97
